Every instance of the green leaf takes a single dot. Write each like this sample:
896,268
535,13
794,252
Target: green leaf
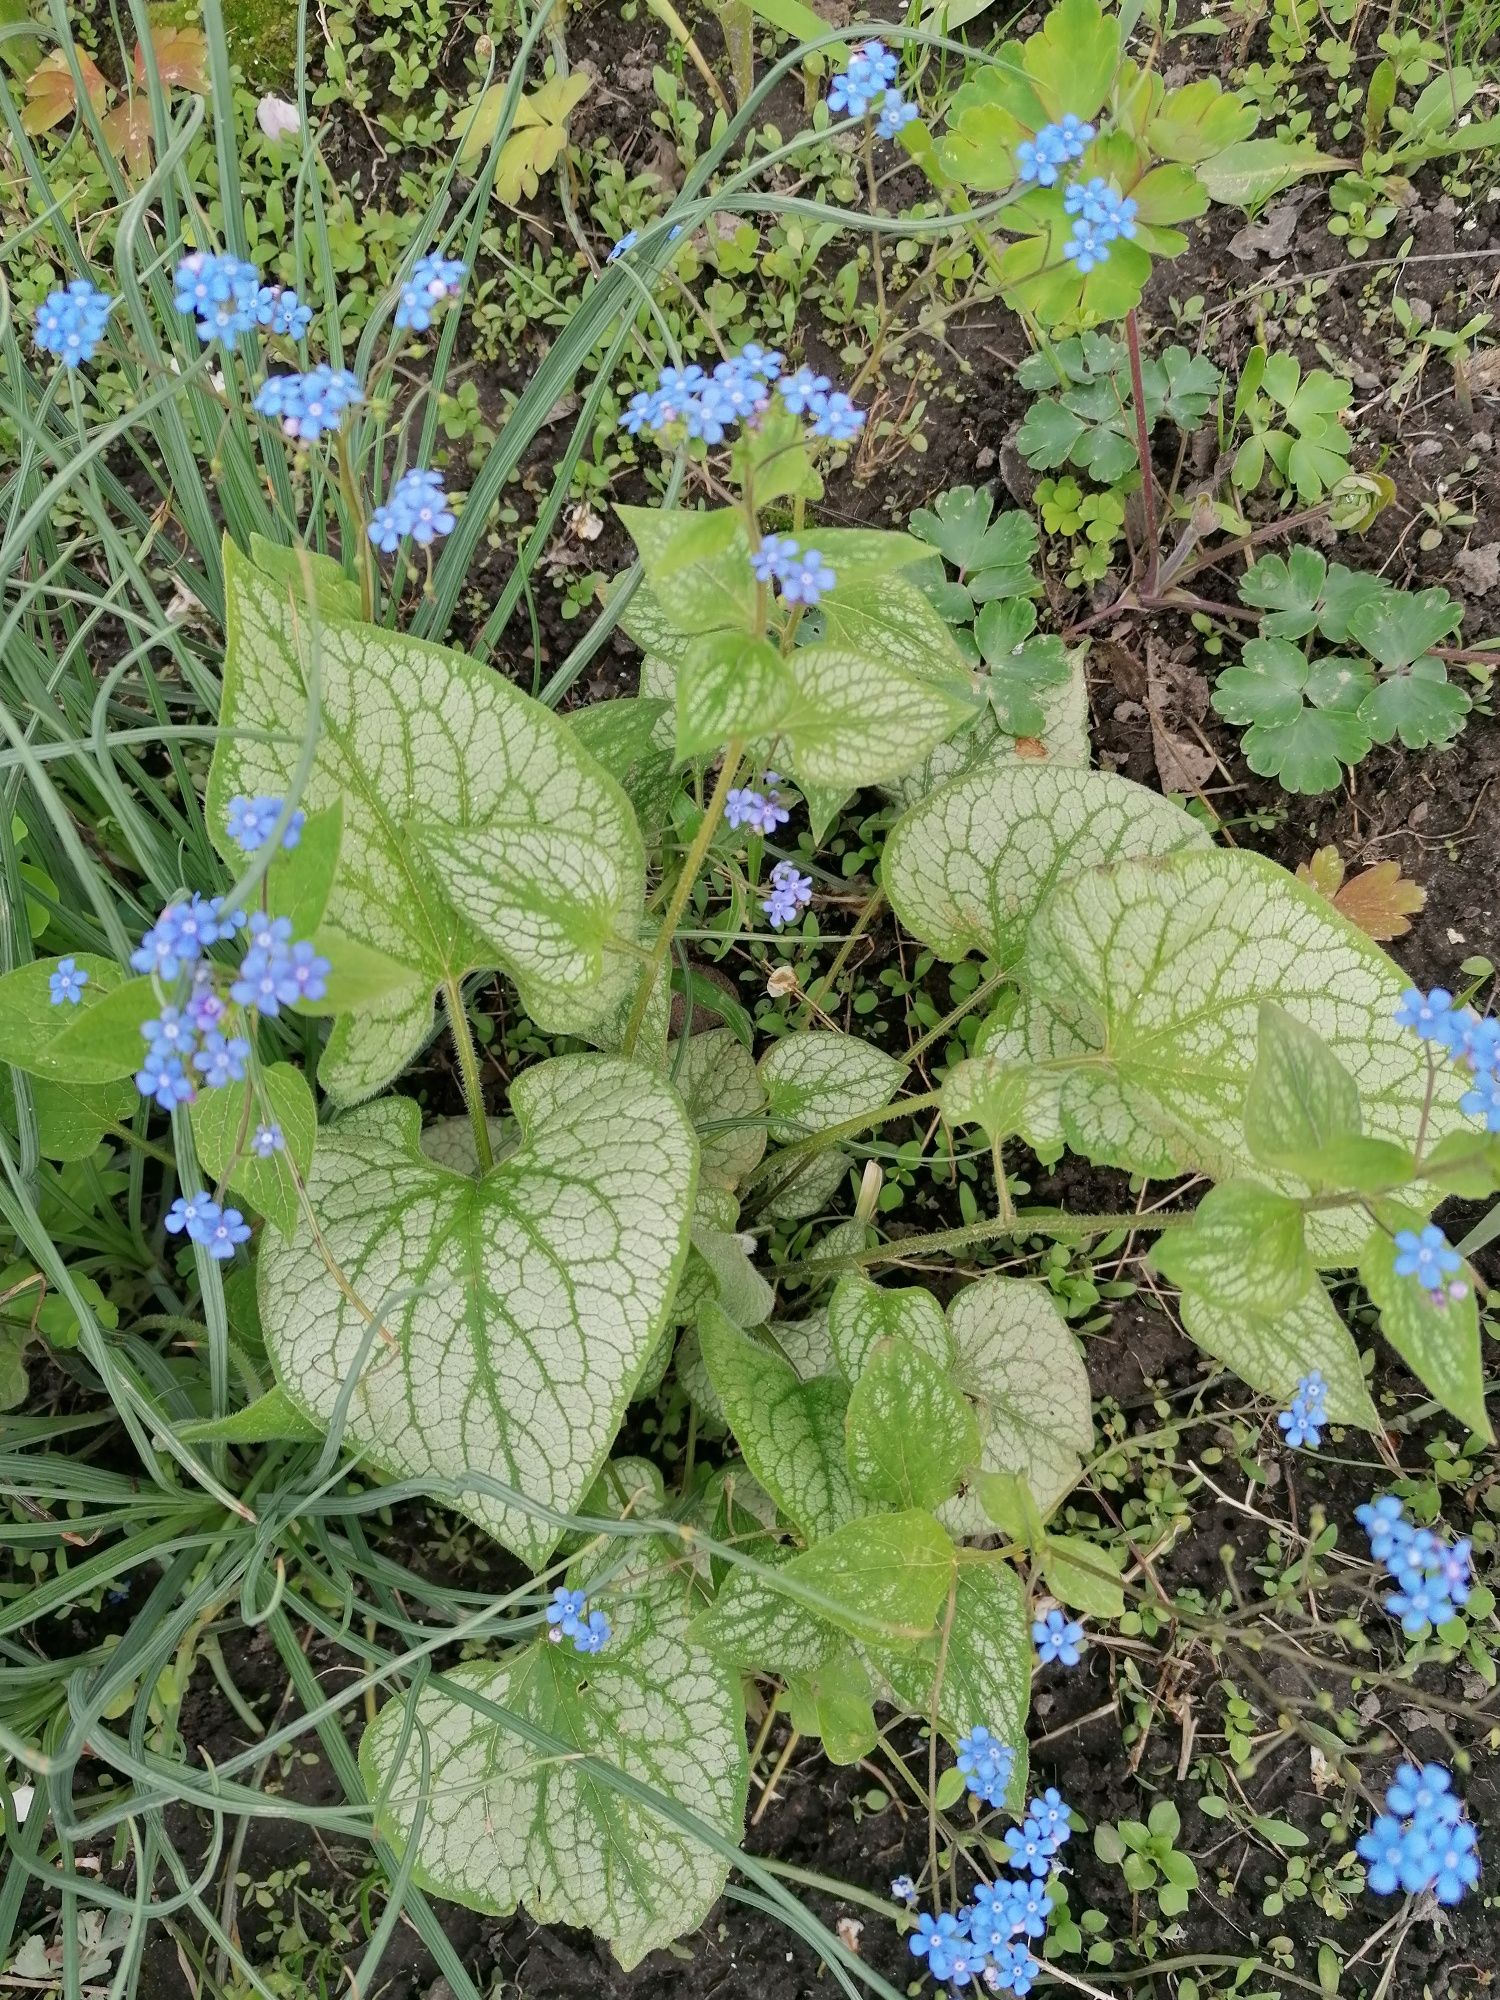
854,719
1019,1362
717,1080
729,685
894,622
1289,589
1243,1251
986,1674
881,1579
529,856
300,879
963,526
223,1123
1272,1352
862,1314
982,1090
1199,121
1085,1575
698,566
1436,1335
271,1419
1300,1098
1072,62
816,1081
1307,755
791,1432
1160,967
1247,174
1050,433
316,581
507,1818
1420,706
967,868
46,1041
833,1703
910,1434
71,1118
520,1308
867,555
1021,666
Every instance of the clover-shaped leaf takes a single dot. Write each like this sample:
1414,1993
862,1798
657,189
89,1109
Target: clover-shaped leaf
1305,720
1020,664
1403,625
993,553
1288,589
1198,121
1421,706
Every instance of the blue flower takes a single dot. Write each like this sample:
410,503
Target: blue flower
171,1033
279,310
790,893
1058,1638
776,552
221,291
309,405
65,983
1304,1422
1429,1258
895,115
762,812
1483,1101
804,393
995,1914
163,1077
986,1764
839,419
432,280
70,323
626,244
1477,1041
251,822
941,1941
904,1889
264,932
593,1634
765,362
1087,247
195,1213
1040,159
1051,1815
418,507
872,68
221,1060
1422,1840
228,1229
1433,1579
806,579
742,389
1012,1970
1429,1014
182,933
564,1613
1109,213
266,1141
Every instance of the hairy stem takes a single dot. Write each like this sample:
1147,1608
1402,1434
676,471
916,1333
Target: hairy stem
1143,449
468,1069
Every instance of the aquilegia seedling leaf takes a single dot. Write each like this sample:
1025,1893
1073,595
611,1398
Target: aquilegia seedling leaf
476,830
519,1308
550,1787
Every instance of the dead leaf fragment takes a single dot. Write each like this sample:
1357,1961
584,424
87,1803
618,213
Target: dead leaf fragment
51,93
1380,900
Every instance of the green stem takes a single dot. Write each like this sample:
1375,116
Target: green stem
1040,1222
824,983
364,548
843,1892
468,1067
708,826
796,1156
980,994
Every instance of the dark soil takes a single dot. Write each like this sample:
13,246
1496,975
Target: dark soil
1438,814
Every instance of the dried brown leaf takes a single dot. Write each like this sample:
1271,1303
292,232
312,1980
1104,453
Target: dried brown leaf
181,59
51,93
1381,900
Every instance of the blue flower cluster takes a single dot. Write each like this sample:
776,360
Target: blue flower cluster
1473,1041
1101,216
70,323
987,1764
1422,1840
308,405
418,507
432,280
65,983
987,1938
204,1221
1434,1579
1058,1637
187,1044
790,893
221,292
1043,158
1306,1420
762,812
568,1617
801,575
251,822
868,85
738,391
279,310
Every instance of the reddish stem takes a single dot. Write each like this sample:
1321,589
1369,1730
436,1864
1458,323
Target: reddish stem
1143,450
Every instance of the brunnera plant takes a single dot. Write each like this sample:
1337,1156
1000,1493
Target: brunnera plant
470,1305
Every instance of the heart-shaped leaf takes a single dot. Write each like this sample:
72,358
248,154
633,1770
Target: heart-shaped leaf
476,830
549,1774
515,1311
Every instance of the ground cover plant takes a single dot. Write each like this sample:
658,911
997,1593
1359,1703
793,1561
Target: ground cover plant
749,1217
